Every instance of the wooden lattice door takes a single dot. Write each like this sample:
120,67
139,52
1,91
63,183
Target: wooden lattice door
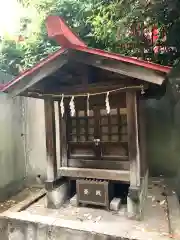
98,140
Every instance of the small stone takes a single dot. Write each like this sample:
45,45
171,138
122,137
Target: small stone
153,199
89,217
98,219
73,201
86,214
115,204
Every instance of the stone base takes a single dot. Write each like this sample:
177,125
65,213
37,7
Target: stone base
73,201
57,196
115,204
35,223
132,209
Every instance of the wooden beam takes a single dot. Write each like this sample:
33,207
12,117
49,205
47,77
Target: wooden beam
133,141
23,205
142,137
116,175
50,139
63,137
111,165
38,75
127,69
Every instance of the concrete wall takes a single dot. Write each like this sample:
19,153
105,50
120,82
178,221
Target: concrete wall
163,139
22,143
35,138
12,164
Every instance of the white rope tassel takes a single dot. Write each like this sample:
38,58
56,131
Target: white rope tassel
62,105
142,90
108,109
72,106
88,105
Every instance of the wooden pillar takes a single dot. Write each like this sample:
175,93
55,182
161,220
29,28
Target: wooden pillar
134,154
143,157
63,137
142,136
50,139
133,139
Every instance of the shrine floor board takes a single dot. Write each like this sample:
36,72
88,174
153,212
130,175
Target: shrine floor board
70,222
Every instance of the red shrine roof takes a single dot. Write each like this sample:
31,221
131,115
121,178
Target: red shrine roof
64,36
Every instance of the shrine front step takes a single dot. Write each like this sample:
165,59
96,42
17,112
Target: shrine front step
22,230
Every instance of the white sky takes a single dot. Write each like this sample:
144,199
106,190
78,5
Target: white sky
10,14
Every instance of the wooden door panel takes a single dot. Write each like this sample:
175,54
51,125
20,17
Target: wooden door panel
82,150
114,151
113,133
109,129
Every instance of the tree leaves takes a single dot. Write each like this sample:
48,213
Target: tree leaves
113,25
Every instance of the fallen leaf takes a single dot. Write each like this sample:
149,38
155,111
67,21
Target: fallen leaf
162,202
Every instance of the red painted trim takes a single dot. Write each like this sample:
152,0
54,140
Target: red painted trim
36,67
121,58
61,32
57,29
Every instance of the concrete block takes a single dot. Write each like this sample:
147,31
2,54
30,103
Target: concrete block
16,231
31,232
73,201
3,229
41,232
133,210
115,204
57,197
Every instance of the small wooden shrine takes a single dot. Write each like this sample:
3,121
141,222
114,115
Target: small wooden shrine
101,121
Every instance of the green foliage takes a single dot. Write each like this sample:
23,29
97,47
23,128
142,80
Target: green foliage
104,24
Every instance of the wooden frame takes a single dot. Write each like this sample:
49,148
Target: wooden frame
40,74
50,139
63,137
133,171
133,139
126,69
116,175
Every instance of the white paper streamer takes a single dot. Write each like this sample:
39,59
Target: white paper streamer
108,109
72,106
62,105
142,90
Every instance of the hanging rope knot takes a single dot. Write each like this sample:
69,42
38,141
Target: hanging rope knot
108,109
62,105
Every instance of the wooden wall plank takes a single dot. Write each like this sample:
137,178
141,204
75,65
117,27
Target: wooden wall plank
99,164
63,137
126,69
50,139
37,76
142,137
120,175
133,141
